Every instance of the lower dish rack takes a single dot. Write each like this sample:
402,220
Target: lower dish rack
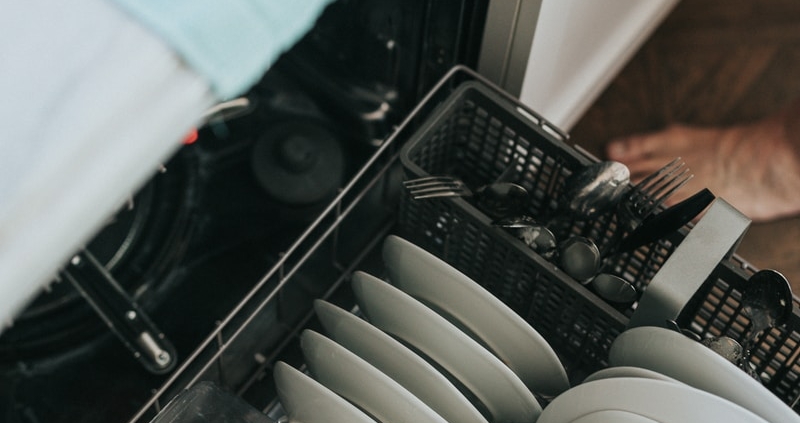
466,127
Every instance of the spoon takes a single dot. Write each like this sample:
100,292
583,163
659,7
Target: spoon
766,301
595,189
501,199
534,235
613,288
580,258
727,347
588,193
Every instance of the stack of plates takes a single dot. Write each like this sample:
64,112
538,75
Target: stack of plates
437,347
674,355
642,400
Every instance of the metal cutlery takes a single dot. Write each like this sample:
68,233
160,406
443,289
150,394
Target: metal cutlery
594,189
767,301
498,199
664,223
616,289
588,193
649,194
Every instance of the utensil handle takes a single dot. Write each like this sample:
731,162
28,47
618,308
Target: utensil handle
670,220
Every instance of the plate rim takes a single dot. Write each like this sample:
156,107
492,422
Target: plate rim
429,335
334,363
650,347
288,377
418,376
537,363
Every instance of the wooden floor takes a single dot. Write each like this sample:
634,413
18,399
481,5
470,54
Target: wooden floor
711,63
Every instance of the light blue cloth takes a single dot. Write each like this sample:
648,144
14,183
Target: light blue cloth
229,42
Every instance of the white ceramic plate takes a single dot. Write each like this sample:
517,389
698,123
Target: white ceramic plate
359,382
306,401
428,278
673,354
657,400
613,416
491,381
398,362
627,371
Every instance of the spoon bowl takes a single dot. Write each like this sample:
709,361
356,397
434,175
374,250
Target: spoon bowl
534,235
767,300
595,189
727,347
501,199
613,288
580,258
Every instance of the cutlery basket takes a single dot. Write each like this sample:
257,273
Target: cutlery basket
468,128
478,134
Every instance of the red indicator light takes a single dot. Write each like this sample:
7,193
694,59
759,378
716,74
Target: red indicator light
191,137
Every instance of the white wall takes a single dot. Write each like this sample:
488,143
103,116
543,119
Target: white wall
579,47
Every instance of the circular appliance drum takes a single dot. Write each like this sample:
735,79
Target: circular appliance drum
140,245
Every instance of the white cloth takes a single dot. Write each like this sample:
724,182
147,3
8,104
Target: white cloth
90,104
96,94
229,42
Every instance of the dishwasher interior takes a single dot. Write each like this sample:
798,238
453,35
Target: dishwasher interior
457,127
228,248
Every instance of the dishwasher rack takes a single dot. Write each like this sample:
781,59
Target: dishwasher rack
468,127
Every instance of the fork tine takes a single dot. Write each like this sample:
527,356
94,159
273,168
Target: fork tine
666,181
428,180
646,190
658,197
650,183
660,200
434,184
439,194
436,188
444,190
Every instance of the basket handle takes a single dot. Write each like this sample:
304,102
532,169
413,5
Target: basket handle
713,239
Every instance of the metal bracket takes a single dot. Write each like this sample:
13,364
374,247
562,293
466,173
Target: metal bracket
121,313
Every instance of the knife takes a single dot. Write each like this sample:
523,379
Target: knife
663,224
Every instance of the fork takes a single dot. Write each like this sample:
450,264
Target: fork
649,194
497,200
437,186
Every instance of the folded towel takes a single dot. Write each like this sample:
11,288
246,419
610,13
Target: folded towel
231,43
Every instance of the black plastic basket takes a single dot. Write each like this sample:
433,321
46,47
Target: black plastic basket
476,135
